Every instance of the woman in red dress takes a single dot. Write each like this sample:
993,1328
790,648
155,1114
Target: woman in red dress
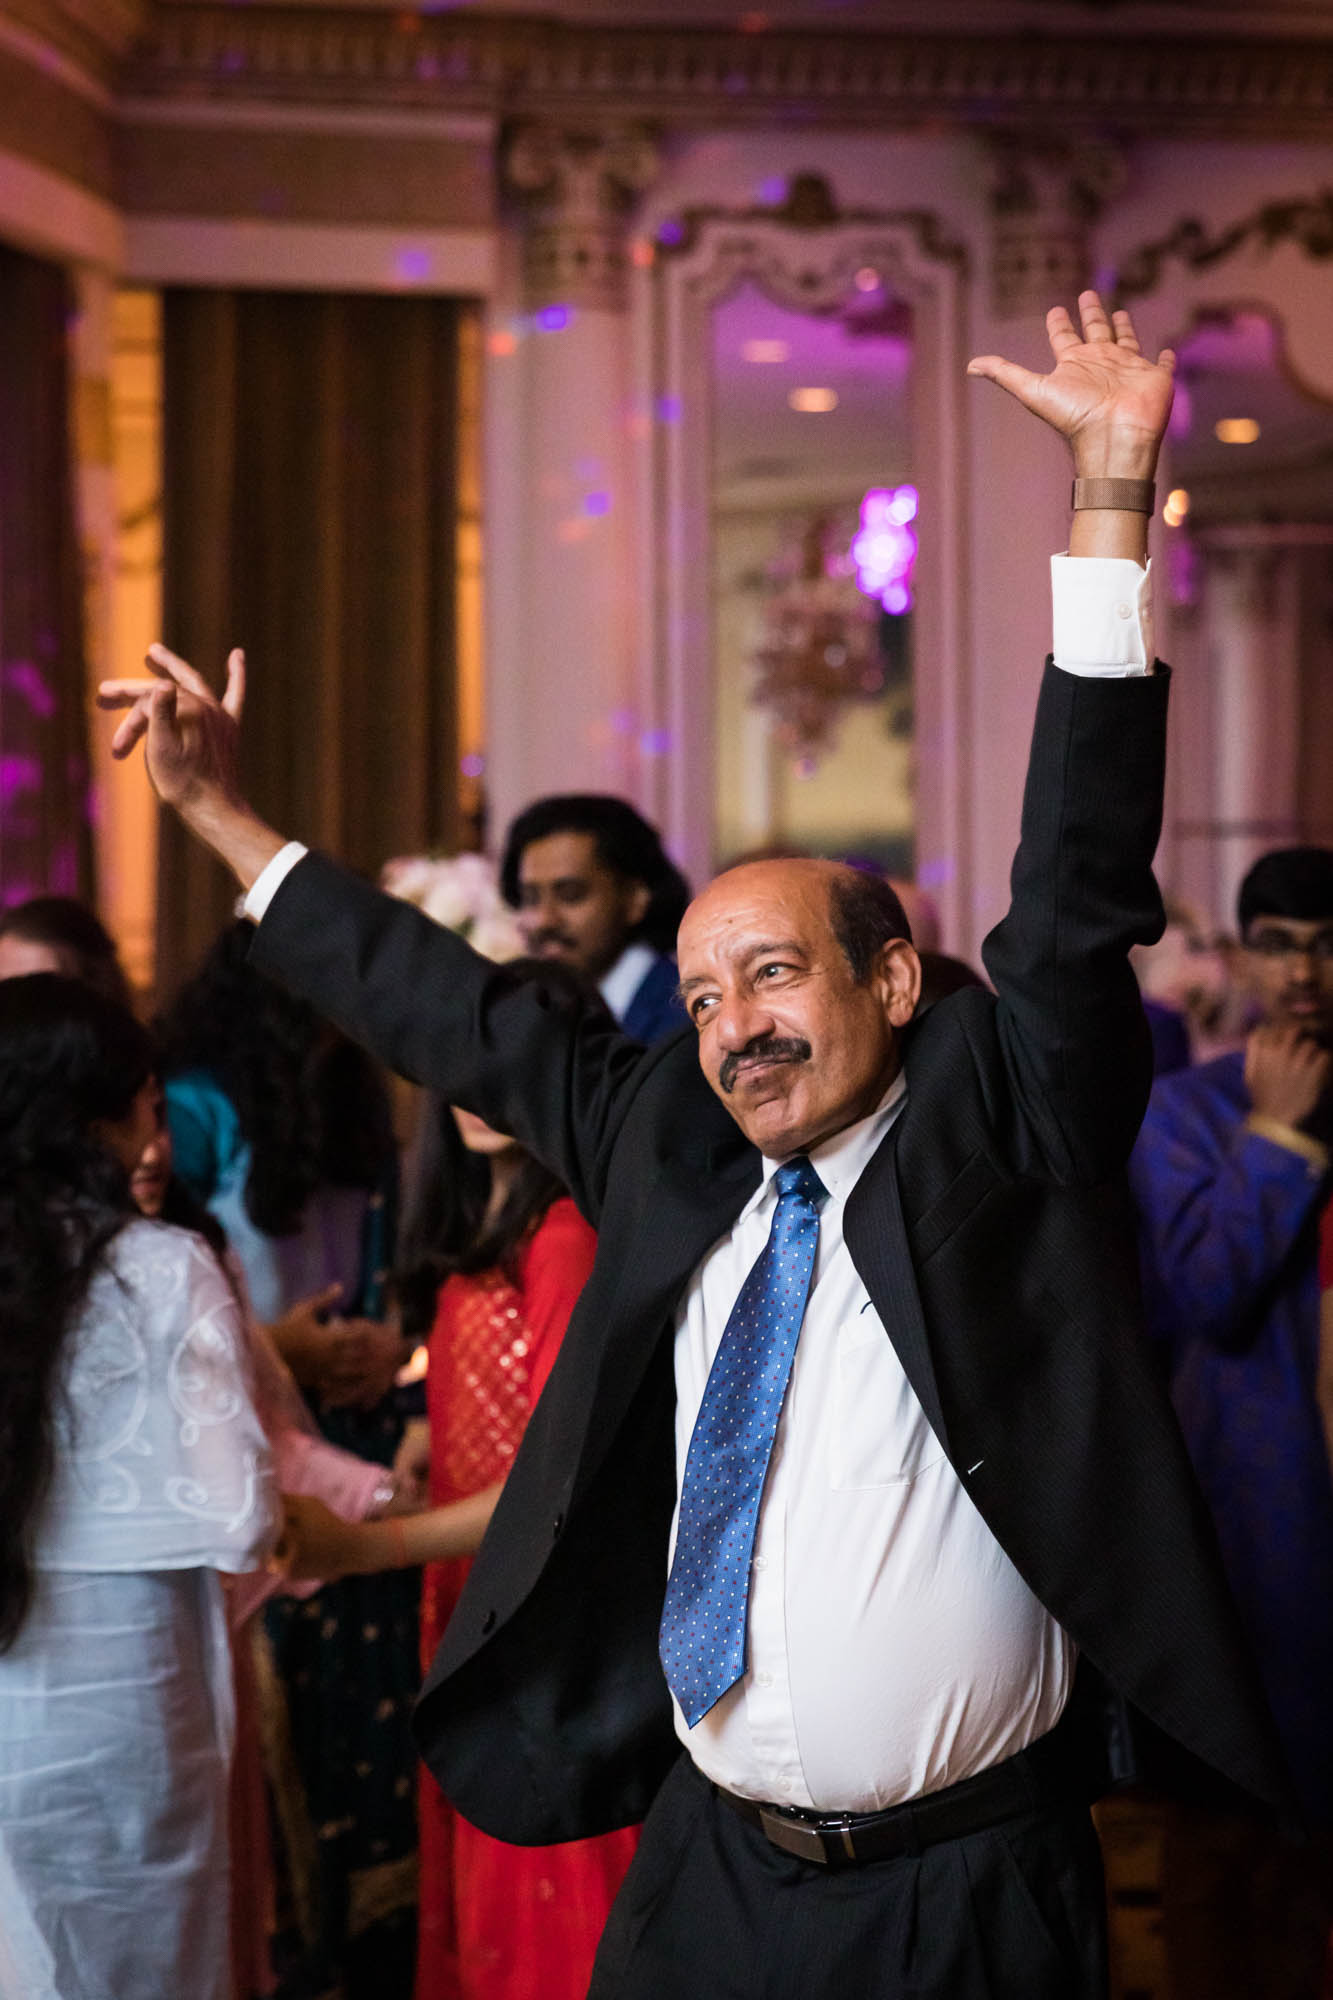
496,1922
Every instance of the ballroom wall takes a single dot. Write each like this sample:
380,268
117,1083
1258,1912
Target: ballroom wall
555,168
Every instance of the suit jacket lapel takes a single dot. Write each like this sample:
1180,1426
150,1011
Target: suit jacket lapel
684,1230
877,1238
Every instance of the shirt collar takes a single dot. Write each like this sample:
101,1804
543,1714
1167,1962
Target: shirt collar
619,985
841,1160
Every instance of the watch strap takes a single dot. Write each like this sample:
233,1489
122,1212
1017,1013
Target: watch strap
1126,496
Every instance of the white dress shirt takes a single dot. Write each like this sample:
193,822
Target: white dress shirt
892,1646
619,986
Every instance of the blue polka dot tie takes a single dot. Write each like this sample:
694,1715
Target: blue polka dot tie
703,1617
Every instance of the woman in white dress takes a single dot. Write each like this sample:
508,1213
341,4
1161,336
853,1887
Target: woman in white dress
133,1470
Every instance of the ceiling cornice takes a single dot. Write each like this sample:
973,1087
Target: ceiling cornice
509,66
93,35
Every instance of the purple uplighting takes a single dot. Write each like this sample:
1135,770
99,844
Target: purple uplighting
596,504
655,742
412,266
668,409
884,548
32,687
473,765
19,774
554,319
773,191
671,232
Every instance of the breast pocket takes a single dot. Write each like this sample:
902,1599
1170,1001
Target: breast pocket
880,1436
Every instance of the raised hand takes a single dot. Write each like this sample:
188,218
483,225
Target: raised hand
1286,1073
191,737
1103,394
191,749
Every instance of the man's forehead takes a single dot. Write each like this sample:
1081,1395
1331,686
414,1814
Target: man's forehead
569,850
782,897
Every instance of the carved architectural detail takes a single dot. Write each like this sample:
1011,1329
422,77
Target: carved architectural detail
1045,194
1306,223
1229,87
95,35
810,204
578,188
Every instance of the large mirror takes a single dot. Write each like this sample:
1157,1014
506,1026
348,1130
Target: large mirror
803,367
815,518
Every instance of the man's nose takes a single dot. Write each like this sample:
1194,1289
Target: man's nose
742,1019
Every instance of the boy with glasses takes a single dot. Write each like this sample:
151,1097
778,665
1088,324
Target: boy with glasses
1231,1174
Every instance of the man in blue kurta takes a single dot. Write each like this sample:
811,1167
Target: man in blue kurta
1231,1174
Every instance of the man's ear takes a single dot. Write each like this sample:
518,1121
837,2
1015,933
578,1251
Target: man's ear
897,977
638,896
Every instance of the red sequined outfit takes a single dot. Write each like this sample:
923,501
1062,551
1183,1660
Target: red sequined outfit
500,1922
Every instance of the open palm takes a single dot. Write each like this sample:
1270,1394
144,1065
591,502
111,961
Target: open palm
1103,394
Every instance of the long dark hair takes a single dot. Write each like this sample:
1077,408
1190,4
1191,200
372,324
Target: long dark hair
312,1107
444,1224
69,1057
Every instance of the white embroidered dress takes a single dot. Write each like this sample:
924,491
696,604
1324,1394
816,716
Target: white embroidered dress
116,1716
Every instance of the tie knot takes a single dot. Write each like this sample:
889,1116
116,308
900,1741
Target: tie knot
799,1177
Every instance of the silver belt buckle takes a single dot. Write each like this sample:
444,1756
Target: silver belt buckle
806,1843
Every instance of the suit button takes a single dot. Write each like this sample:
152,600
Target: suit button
488,1622
557,1527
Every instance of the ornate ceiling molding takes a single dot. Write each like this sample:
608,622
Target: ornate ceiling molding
516,67
93,35
1305,223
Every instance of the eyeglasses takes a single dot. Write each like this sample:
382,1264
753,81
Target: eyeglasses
1269,942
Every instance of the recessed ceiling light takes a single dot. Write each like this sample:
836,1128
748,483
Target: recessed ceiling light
1236,430
867,279
813,402
1177,506
765,350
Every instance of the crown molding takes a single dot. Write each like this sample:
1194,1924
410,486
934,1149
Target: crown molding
513,66
92,36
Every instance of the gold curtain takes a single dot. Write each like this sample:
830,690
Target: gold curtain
45,844
311,515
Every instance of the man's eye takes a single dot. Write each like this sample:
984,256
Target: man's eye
765,970
698,1007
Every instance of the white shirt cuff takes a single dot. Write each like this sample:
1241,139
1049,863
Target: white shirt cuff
1102,616
270,879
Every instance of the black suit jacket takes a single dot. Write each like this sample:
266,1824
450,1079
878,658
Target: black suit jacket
990,1230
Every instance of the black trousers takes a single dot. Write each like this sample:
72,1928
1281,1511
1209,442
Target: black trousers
711,1911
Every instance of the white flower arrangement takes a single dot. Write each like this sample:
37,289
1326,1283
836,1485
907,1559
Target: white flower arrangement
460,892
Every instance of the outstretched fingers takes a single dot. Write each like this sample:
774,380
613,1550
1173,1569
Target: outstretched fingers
1125,335
1020,382
132,730
1092,315
1061,331
233,696
170,666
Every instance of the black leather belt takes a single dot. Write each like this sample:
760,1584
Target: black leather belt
1023,1783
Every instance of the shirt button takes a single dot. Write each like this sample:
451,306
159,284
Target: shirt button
760,1562
764,1680
1124,611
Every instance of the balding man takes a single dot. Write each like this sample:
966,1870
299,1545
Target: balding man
851,1449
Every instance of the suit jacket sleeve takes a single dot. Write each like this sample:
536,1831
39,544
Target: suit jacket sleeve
525,1049
1075,1042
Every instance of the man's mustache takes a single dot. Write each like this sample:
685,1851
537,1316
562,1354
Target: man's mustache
537,940
767,1048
